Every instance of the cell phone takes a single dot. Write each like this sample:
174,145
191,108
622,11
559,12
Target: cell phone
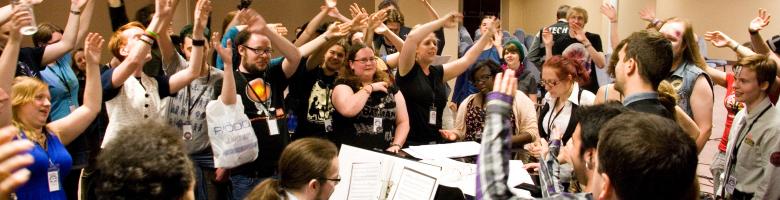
536,191
244,4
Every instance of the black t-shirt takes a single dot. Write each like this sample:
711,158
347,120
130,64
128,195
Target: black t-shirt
421,92
360,131
29,61
379,40
270,146
309,99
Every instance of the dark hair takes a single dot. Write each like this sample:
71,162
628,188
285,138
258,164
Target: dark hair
647,157
144,15
242,37
566,66
301,161
765,68
146,160
395,16
492,67
387,3
73,65
228,18
591,119
562,11
653,55
186,32
614,58
513,46
43,35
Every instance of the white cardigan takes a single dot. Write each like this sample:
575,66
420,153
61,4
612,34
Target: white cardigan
134,103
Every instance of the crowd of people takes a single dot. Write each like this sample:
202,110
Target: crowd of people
138,126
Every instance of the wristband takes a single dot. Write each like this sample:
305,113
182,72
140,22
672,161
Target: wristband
370,90
152,33
499,96
75,12
198,43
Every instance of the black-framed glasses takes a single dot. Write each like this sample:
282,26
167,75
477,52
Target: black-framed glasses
367,60
259,51
549,83
335,180
482,79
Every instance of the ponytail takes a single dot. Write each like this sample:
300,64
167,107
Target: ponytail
269,189
667,95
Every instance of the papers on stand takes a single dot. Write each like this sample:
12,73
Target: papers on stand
449,150
414,185
364,181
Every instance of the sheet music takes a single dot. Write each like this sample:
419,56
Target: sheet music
449,150
364,181
414,185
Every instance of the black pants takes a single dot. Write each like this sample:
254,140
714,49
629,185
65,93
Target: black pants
738,195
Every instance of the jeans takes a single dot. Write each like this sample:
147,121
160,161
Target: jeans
243,184
206,186
717,168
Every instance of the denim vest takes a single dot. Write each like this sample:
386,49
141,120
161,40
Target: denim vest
683,80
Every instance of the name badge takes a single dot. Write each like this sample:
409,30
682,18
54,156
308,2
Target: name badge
273,128
328,125
187,131
53,176
377,124
731,184
432,116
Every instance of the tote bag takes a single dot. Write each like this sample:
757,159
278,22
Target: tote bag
232,138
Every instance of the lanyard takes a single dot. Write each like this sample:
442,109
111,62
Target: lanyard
740,141
62,78
45,150
553,117
263,106
197,100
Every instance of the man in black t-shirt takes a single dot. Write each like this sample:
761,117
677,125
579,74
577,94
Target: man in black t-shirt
260,83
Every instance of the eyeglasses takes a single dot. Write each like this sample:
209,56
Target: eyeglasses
482,79
259,51
366,60
335,180
549,83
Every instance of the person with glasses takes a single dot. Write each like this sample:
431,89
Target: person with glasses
308,169
261,81
424,84
562,77
370,111
470,119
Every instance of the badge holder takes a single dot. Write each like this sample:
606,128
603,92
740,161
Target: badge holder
187,131
432,116
53,177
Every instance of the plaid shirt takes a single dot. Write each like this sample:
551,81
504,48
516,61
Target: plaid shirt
493,163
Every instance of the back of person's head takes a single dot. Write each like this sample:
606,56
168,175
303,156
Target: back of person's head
765,68
577,52
652,53
302,161
576,10
118,41
388,3
24,91
146,160
592,118
44,34
647,157
145,14
563,10
568,67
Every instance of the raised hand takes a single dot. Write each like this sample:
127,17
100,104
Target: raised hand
506,83
609,11
202,11
578,32
377,18
165,8
336,31
333,12
255,22
647,14
93,47
14,157
761,21
378,87
547,37
718,39
452,20
277,28
20,18
226,53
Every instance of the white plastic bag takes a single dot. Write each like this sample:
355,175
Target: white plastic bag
232,138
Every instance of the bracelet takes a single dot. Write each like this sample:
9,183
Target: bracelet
613,21
369,91
152,33
75,12
395,145
500,96
198,43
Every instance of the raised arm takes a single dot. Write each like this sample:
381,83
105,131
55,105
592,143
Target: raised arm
374,21
314,49
720,40
455,68
401,124
310,28
648,14
756,25
416,36
596,56
84,21
609,11
139,48
257,25
68,41
71,126
117,13
8,60
228,95
184,77
547,39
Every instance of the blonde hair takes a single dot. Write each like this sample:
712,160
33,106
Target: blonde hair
23,92
578,10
